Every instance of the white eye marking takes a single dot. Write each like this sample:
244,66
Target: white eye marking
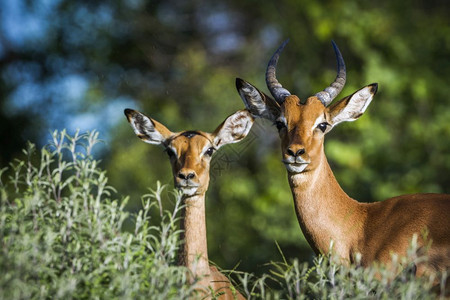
321,123
319,120
280,123
171,151
208,150
281,119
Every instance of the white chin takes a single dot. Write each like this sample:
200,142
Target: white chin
296,168
188,191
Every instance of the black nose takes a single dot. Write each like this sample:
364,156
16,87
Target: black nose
298,153
186,176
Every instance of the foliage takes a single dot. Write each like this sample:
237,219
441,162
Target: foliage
61,232
62,238
80,63
327,278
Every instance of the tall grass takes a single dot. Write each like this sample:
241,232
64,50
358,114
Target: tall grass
327,278
62,238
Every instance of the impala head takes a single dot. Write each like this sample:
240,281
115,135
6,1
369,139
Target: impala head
190,152
302,124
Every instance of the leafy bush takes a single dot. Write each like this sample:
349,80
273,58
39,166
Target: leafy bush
62,237
329,279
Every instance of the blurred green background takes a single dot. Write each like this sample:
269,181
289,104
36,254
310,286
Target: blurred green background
78,64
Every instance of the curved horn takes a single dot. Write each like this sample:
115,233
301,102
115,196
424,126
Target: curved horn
328,94
275,88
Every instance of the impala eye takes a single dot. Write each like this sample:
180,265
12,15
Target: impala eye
170,152
323,126
280,125
210,151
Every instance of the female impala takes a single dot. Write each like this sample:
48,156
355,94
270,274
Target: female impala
325,212
190,156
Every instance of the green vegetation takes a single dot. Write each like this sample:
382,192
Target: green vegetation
62,237
78,64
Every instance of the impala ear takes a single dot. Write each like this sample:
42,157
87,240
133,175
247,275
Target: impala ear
147,129
234,129
258,103
352,107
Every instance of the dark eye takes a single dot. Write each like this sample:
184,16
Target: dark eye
170,152
210,151
323,126
280,125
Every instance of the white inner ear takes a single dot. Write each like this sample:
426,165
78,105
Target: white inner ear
254,102
144,129
235,128
356,106
250,95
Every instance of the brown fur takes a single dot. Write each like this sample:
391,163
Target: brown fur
194,253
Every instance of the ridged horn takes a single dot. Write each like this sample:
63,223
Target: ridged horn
327,95
275,88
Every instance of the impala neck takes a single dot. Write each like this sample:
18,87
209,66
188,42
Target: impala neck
194,253
325,212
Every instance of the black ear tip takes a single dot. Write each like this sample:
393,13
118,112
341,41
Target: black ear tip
374,88
239,83
128,112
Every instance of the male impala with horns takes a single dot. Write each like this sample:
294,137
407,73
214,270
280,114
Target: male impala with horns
325,212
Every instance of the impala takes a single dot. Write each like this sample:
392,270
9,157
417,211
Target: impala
324,211
190,155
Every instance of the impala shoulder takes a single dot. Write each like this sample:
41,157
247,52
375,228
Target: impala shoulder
420,198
